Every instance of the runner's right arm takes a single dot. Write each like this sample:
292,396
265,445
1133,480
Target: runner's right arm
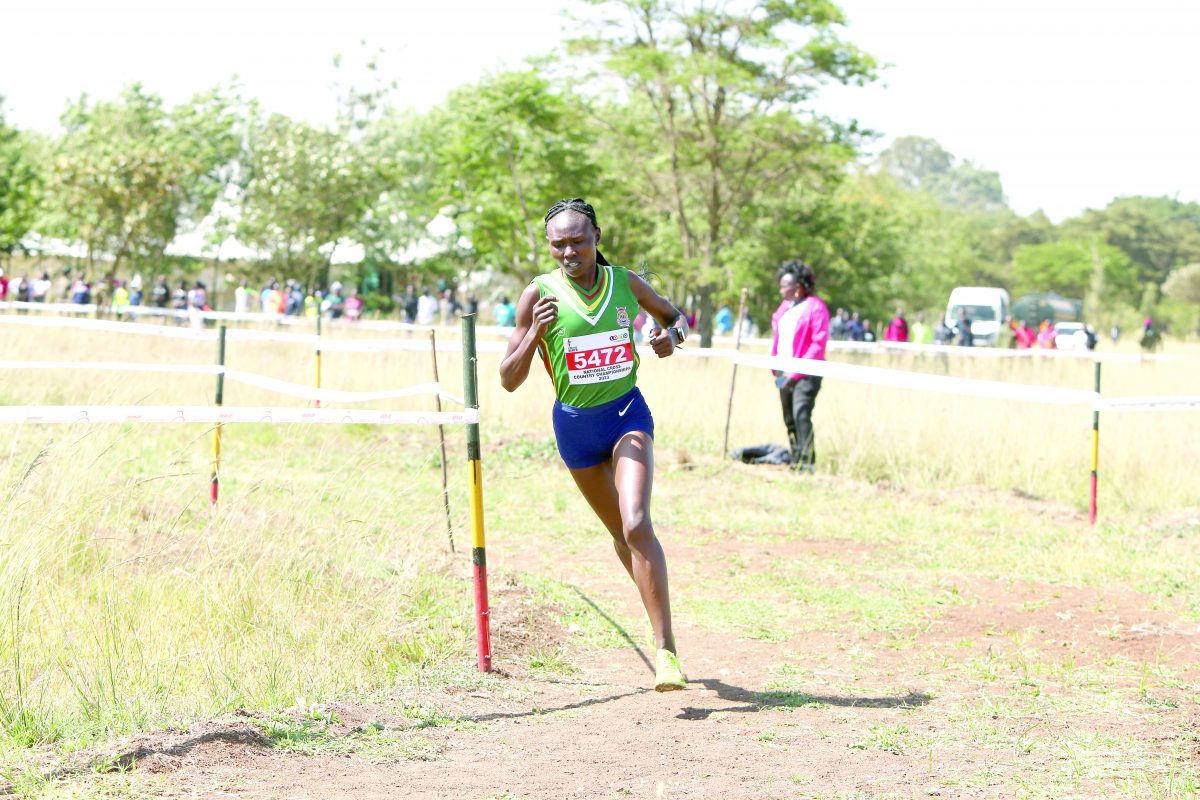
534,315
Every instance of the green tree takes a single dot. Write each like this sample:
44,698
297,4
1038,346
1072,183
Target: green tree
713,124
128,175
304,191
505,149
1076,268
1158,233
921,164
1183,284
19,186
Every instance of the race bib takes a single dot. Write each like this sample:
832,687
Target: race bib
598,357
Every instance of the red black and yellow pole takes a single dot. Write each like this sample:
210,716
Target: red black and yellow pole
483,637
1095,448
215,486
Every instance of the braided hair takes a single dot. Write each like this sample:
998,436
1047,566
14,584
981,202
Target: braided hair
581,206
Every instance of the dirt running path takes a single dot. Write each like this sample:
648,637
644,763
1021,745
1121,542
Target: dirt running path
855,714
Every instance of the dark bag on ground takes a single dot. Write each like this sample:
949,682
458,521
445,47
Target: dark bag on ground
763,454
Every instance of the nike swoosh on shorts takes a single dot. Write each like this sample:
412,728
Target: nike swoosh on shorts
621,413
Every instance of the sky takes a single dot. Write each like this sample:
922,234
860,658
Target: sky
1073,102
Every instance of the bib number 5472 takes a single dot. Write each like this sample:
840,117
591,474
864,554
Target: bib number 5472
599,357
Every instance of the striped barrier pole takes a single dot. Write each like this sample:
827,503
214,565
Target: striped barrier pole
215,486
1095,449
483,638
318,353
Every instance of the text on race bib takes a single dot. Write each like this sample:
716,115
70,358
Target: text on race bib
598,357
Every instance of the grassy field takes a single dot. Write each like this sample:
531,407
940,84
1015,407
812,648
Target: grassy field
127,604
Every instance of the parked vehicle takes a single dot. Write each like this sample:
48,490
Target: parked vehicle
1070,336
1047,307
987,308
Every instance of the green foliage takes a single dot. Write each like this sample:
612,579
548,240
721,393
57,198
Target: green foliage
1158,234
305,190
19,186
921,164
1076,268
1184,284
127,175
714,125
503,150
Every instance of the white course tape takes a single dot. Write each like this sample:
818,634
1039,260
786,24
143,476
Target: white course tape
125,414
111,366
921,381
402,345
113,326
1161,403
330,395
249,378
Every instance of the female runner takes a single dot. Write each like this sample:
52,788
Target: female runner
578,319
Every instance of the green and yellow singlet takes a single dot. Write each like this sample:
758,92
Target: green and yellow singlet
589,350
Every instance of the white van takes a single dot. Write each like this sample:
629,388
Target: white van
987,308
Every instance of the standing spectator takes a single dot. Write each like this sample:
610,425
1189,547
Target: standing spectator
120,299
160,293
1006,336
787,299
921,333
179,297
41,289
506,313
81,291
334,305
3,286
276,300
1045,336
723,321
135,290
855,331
19,289
449,305
409,304
472,304
1025,335
1114,333
1091,339
198,297
241,298
868,331
965,338
354,306
427,308
803,332
943,334
897,329
837,325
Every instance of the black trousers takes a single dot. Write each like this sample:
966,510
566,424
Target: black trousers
798,401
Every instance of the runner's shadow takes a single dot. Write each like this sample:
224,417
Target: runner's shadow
616,626
758,701
537,712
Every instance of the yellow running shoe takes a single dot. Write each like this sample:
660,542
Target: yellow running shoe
668,676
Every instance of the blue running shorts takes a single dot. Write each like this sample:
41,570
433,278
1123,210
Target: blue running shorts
586,436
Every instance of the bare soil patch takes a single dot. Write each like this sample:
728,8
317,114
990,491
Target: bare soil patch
823,714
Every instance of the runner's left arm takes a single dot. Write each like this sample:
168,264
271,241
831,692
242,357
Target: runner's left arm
665,314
